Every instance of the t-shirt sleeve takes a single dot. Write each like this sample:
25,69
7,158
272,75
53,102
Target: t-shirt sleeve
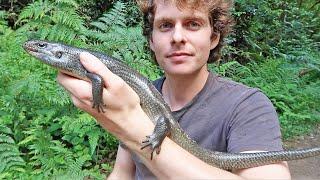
254,124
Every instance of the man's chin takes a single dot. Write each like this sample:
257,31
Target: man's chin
183,70
179,72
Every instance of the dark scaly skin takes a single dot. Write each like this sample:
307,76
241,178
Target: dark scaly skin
66,59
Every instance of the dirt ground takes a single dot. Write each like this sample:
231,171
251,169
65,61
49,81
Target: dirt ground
306,169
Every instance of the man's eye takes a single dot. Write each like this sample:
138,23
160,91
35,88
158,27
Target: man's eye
193,25
165,26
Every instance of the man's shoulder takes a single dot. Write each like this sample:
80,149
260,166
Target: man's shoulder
231,94
232,89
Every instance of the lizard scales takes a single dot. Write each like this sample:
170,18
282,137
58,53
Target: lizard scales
66,59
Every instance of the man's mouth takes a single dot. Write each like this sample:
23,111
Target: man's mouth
178,54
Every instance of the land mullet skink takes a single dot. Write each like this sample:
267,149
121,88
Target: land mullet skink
66,59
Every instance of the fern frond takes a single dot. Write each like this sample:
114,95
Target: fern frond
34,10
5,130
93,140
6,139
7,154
114,17
68,2
77,165
6,175
3,14
101,26
6,147
15,165
7,161
68,18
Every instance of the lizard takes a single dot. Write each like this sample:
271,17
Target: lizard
66,59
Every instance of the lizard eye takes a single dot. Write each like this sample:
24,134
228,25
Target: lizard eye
42,45
59,54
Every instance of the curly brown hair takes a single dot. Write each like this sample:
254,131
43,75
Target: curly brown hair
219,17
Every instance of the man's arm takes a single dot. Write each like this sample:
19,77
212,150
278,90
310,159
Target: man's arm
124,167
272,171
255,128
174,161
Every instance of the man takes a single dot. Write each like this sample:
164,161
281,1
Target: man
219,114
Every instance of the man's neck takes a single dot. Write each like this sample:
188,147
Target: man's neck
180,90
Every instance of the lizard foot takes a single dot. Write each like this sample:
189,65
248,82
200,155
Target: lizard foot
160,131
99,106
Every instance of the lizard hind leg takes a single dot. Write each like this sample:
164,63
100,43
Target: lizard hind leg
160,131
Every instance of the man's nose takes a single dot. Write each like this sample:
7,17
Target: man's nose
178,35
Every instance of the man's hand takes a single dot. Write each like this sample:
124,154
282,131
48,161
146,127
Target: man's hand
123,115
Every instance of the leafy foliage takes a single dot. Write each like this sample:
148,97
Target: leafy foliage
115,17
3,24
123,42
51,147
10,159
272,29
53,20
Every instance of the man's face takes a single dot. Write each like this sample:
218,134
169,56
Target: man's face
181,39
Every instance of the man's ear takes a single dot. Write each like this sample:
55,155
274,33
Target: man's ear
151,44
215,40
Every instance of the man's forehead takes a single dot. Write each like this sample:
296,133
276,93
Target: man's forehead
163,7
184,4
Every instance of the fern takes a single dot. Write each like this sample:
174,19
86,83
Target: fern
68,2
36,10
53,20
123,42
68,18
4,29
128,44
93,140
6,139
9,153
3,15
115,17
5,130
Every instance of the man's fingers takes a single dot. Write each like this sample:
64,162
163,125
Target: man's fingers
78,88
75,86
94,65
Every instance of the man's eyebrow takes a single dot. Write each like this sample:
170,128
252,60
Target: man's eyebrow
163,19
191,17
197,18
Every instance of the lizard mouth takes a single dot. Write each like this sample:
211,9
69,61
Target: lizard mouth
29,48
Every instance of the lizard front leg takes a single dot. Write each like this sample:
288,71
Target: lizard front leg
97,90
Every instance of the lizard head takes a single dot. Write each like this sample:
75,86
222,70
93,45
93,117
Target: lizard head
60,56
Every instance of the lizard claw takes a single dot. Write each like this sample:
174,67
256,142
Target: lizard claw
153,142
161,130
99,106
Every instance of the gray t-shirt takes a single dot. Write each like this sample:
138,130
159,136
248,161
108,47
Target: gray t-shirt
226,116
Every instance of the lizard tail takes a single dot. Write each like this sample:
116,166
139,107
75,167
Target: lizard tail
231,161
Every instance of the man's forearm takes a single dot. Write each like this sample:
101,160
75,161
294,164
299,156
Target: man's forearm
175,162
124,167
120,175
